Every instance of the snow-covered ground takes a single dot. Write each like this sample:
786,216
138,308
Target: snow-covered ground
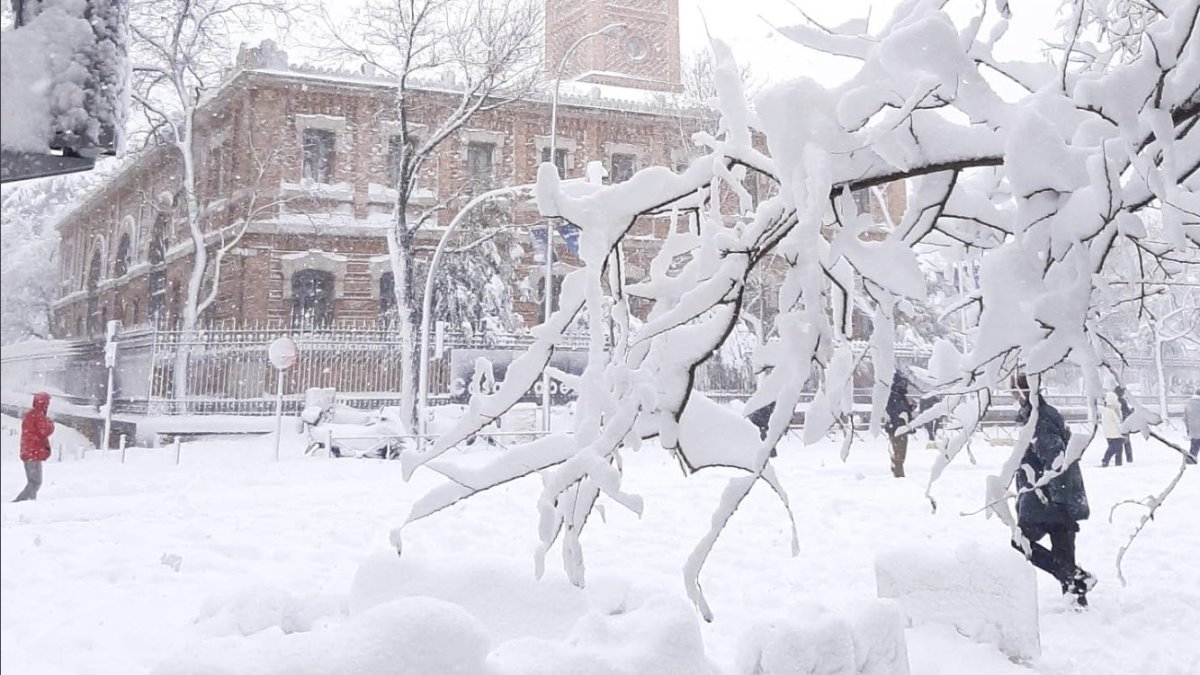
204,567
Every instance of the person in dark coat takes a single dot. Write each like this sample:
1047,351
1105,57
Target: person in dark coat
899,413
1126,411
1055,508
36,429
761,418
931,427
1191,419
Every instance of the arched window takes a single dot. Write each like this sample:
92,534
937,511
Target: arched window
387,297
157,252
312,299
93,300
176,310
157,255
121,264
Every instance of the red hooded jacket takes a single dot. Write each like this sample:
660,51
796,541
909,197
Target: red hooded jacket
36,428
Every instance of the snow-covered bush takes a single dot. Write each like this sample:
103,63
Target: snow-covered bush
1039,165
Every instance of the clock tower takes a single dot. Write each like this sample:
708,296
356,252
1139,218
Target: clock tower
644,55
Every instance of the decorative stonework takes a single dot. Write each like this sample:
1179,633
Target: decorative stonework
646,55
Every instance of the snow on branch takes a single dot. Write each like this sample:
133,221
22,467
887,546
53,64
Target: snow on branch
1043,185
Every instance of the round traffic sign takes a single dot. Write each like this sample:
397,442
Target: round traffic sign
283,353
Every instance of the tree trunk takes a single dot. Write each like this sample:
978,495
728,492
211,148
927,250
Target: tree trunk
191,312
400,253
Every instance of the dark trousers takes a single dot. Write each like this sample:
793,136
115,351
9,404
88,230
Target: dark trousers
33,481
899,452
1195,450
1128,450
1059,559
1115,447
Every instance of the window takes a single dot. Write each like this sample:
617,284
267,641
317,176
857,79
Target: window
216,176
158,297
157,251
121,264
176,309
621,167
93,301
560,159
862,200
479,165
387,298
395,144
319,155
312,299
751,184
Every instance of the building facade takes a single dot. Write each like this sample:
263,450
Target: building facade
306,159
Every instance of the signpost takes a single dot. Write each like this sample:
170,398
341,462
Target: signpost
110,362
283,354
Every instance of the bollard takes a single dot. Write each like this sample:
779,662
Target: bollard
122,442
60,451
329,442
178,450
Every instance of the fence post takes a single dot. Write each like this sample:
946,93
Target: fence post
123,439
178,450
60,451
329,442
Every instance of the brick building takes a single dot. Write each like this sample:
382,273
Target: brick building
305,156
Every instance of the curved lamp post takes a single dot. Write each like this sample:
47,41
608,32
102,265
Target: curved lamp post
427,300
612,30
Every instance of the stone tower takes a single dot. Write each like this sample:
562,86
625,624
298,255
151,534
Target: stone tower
645,55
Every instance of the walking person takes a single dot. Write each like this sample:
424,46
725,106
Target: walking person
1055,508
1110,422
899,414
36,429
931,427
1191,419
1126,411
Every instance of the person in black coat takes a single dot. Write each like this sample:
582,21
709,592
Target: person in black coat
899,414
1126,411
1056,507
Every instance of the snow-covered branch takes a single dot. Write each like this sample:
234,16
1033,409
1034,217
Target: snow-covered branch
1046,186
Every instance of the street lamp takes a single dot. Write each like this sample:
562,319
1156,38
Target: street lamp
612,30
427,301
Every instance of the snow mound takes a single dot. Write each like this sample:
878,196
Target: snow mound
988,595
498,592
645,633
864,640
548,626
411,636
253,609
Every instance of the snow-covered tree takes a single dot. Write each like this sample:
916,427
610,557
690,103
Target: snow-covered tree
180,51
485,54
1041,165
471,289
28,247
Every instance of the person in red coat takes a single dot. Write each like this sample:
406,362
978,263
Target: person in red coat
36,428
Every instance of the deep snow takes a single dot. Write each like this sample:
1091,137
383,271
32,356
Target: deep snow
233,560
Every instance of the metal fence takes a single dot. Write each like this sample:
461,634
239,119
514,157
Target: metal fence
227,371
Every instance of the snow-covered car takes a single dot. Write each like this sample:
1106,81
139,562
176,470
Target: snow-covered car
343,431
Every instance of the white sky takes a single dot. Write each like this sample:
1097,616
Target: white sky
746,26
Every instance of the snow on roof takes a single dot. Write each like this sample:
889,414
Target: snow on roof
571,93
